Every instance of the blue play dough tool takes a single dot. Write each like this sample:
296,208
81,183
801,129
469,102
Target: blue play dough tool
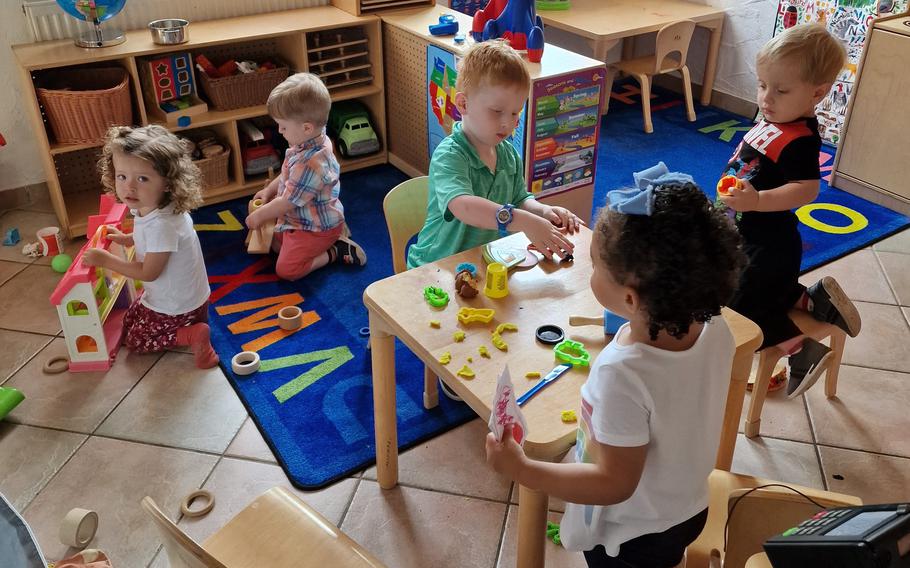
557,372
612,322
447,26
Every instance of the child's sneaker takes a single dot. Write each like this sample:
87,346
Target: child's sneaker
807,366
348,252
830,304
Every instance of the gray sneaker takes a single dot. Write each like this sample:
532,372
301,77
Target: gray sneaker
830,304
349,252
807,366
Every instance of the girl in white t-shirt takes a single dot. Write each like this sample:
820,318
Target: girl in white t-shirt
150,171
652,407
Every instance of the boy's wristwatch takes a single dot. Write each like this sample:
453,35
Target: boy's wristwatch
503,218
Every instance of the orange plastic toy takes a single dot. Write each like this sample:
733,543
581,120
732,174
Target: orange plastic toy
727,183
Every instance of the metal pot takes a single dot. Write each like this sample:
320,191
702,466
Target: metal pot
170,31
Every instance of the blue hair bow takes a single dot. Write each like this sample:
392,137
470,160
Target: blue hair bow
639,200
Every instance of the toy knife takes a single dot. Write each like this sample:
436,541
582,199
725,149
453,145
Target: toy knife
557,372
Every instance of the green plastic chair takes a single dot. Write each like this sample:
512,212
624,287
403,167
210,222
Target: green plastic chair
405,209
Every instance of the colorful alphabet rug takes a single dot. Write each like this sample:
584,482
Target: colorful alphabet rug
312,397
835,224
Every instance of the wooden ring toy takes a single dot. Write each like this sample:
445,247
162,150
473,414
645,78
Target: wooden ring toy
56,365
78,527
245,363
290,317
188,500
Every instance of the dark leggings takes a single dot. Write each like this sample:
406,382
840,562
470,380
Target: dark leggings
656,550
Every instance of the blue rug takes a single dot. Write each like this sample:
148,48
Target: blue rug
312,398
836,224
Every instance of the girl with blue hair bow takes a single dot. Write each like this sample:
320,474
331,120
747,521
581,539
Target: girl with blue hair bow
653,403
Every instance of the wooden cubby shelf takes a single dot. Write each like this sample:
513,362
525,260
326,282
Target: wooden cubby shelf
342,48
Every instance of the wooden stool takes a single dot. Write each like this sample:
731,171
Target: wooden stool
769,357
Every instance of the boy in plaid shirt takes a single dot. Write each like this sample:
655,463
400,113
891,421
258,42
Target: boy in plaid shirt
304,198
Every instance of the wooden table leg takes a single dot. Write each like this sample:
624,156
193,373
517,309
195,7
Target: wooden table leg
532,527
382,347
742,365
711,60
600,49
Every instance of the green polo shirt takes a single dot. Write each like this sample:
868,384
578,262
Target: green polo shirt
455,170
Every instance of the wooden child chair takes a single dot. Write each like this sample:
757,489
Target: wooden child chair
768,358
672,38
405,209
753,517
277,530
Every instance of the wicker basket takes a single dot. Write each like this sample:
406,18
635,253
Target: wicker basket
215,169
244,89
81,105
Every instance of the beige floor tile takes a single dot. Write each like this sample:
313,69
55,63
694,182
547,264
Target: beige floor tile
895,243
111,477
412,528
9,269
25,301
454,462
871,477
74,401
869,412
248,443
31,457
897,270
778,460
28,223
556,556
883,341
177,405
781,417
859,274
18,347
235,483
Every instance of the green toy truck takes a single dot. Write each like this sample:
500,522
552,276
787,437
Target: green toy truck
349,125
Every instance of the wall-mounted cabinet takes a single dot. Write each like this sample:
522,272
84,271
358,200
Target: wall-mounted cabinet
343,49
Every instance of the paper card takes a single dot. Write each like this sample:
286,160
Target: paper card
506,411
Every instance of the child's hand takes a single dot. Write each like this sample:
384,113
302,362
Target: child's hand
506,457
262,194
115,235
563,218
95,257
743,198
545,236
254,220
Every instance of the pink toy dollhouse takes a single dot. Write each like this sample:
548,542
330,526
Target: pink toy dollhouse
91,302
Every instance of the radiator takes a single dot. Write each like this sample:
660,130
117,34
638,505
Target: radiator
49,21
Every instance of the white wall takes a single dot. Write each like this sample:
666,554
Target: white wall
19,161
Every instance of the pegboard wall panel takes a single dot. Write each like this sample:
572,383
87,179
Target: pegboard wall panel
78,173
405,66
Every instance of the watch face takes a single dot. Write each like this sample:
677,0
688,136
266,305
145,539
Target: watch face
504,215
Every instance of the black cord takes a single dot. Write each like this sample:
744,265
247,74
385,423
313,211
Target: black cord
738,499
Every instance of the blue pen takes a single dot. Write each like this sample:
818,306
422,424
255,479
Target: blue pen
557,372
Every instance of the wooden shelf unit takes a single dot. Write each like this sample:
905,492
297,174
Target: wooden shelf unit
363,7
72,178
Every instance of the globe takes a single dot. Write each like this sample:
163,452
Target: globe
92,10
95,12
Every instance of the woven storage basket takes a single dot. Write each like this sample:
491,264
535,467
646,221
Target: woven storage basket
244,89
215,169
82,104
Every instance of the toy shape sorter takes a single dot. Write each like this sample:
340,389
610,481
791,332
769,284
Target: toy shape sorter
169,86
91,301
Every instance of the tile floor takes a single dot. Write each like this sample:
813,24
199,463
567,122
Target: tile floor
80,440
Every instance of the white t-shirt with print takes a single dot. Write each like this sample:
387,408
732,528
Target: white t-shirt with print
673,401
183,285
